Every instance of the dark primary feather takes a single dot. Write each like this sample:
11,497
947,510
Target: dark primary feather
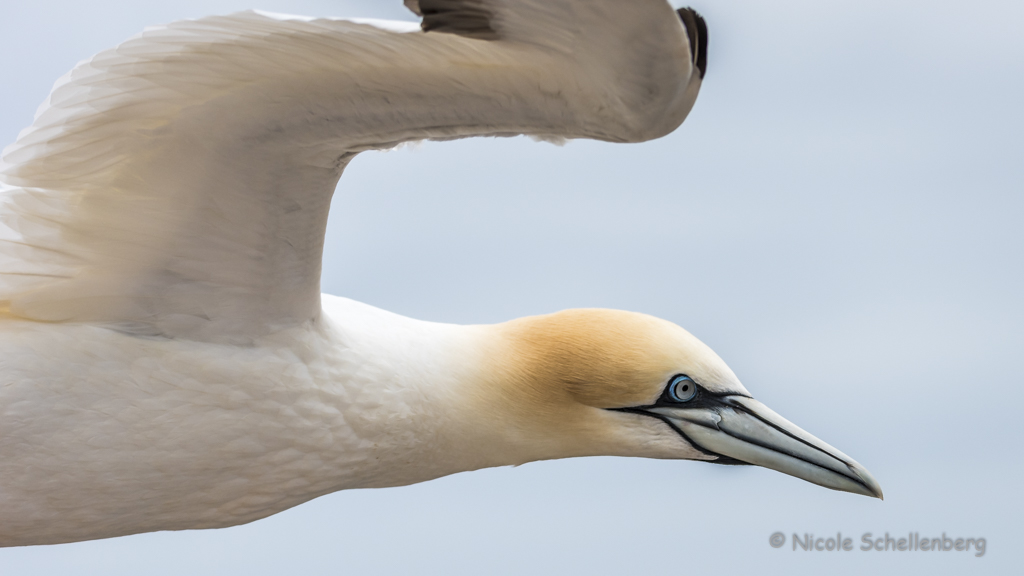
470,18
697,32
414,5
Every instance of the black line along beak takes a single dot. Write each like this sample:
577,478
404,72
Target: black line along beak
743,430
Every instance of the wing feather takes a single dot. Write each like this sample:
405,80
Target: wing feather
178,185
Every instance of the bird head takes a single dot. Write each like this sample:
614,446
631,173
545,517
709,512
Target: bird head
606,382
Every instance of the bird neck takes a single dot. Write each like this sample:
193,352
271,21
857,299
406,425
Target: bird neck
435,399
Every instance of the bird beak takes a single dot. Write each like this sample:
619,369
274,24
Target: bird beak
743,429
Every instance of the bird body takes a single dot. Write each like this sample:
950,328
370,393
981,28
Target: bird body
200,435
166,358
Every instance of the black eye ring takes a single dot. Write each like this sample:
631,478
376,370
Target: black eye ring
682,388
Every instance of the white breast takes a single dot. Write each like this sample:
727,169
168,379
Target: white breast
201,436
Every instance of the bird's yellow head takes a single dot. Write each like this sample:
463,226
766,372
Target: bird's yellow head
607,382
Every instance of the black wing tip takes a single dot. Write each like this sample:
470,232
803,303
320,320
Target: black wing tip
697,32
469,18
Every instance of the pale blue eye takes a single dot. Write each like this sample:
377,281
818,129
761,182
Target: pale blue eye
682,389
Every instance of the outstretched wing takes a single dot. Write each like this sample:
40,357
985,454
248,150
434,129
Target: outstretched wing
143,198
179,184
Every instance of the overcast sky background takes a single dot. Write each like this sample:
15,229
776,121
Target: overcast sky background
840,218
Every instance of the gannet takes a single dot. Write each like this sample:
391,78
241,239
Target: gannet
167,360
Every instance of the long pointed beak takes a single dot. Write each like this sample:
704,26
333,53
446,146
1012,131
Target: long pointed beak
744,429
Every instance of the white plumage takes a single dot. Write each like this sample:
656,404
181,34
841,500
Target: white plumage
224,138
168,361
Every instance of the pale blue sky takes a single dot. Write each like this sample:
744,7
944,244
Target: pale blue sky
840,218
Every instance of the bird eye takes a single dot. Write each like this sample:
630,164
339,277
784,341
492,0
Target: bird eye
682,389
